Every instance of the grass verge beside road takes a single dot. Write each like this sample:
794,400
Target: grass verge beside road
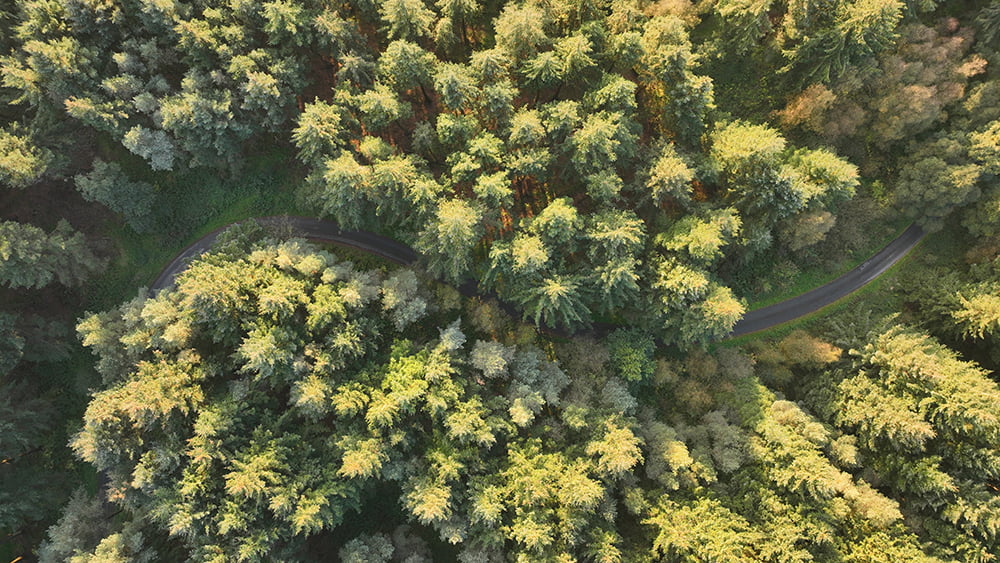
812,277
878,296
200,202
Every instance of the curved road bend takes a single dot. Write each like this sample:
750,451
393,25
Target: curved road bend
816,299
759,319
305,227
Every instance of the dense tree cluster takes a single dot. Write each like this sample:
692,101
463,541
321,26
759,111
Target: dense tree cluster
653,165
925,423
562,167
265,398
546,149
961,305
901,103
30,257
31,479
26,488
278,385
177,83
915,418
268,397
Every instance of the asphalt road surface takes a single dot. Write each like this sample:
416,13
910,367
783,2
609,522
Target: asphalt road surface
305,227
759,319
816,299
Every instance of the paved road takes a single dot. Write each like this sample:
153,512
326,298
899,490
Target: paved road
305,227
816,299
760,319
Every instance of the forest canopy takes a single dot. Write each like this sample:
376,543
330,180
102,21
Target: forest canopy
598,190
569,157
278,392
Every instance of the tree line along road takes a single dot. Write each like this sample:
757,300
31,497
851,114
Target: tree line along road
759,319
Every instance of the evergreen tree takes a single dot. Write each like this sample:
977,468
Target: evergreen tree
702,529
747,22
21,162
861,30
320,130
404,66
406,19
682,98
108,184
556,302
154,146
670,179
702,239
450,239
31,258
520,31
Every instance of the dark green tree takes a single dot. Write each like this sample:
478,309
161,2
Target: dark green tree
108,184
31,258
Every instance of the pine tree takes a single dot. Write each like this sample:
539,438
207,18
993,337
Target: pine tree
670,179
405,66
406,19
861,30
978,315
682,98
21,162
108,184
703,528
702,239
450,239
519,30
31,258
153,145
320,131
746,22
556,302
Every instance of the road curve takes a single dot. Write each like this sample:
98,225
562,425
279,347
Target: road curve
329,232
305,227
814,300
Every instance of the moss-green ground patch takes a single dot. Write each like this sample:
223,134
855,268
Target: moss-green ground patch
193,203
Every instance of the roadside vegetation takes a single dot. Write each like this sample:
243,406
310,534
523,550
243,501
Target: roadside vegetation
663,166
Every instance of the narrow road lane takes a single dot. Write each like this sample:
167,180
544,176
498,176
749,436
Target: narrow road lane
816,299
306,227
329,232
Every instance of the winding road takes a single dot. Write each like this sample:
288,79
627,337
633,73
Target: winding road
306,227
814,300
759,319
